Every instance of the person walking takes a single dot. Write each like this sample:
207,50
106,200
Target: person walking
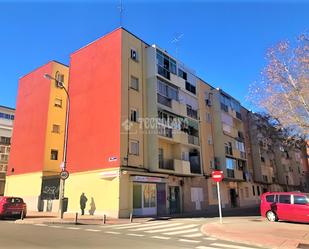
83,201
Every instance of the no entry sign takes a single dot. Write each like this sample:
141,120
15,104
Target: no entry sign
217,175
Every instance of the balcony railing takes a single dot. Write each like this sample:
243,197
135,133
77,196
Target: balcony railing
163,72
191,113
164,100
165,131
230,173
193,140
166,164
243,155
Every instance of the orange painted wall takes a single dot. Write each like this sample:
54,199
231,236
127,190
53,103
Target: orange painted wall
28,140
94,87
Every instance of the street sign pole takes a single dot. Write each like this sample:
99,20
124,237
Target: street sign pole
219,202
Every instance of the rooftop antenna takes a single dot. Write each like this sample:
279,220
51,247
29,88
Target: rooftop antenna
121,10
176,41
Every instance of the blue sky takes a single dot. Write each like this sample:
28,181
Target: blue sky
223,41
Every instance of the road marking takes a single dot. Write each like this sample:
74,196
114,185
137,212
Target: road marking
134,234
194,235
181,232
156,226
121,225
73,228
210,238
230,246
160,237
171,228
112,232
206,247
142,225
55,226
40,225
92,230
189,240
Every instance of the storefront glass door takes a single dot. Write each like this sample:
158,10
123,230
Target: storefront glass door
144,199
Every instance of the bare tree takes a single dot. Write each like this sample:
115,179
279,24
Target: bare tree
283,91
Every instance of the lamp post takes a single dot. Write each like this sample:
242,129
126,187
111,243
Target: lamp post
60,85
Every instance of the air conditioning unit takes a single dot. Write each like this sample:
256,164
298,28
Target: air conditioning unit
208,102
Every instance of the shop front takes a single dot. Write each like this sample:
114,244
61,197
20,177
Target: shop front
149,195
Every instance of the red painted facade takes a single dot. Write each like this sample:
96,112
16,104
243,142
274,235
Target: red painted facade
95,90
28,140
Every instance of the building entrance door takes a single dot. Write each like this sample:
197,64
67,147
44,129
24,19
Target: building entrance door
233,197
174,199
161,199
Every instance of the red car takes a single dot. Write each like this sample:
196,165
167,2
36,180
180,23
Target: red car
12,207
289,206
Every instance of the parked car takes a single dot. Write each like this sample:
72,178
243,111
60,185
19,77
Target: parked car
12,207
289,206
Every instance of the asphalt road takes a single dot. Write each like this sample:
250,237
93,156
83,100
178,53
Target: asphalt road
172,234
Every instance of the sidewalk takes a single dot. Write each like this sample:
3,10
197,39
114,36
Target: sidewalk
69,218
259,232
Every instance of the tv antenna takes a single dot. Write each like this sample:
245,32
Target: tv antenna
176,40
121,10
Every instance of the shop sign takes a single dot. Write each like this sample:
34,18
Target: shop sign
109,174
148,179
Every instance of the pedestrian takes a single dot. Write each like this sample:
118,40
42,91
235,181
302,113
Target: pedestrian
83,201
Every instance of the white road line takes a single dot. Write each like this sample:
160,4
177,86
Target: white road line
206,247
156,226
160,237
193,235
210,238
181,232
56,226
134,234
112,232
40,225
73,228
189,240
171,228
231,246
121,225
142,225
92,230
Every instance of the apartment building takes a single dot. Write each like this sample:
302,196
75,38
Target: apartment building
6,127
145,133
37,140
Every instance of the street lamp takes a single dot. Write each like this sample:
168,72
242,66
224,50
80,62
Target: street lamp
60,85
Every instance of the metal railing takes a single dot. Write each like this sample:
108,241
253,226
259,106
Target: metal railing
193,140
164,100
166,164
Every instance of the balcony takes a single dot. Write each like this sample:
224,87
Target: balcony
164,101
180,137
182,167
191,113
193,140
165,132
167,164
178,108
230,173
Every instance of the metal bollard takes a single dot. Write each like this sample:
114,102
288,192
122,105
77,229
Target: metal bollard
104,219
131,217
76,216
22,215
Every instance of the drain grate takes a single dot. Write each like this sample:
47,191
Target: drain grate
303,246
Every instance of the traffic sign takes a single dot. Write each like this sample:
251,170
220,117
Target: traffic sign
217,175
64,174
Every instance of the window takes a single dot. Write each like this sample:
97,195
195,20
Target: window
58,102
166,90
286,199
209,139
56,128
265,178
208,117
182,74
54,155
137,197
270,198
4,158
2,149
240,146
134,54
228,148
134,83
230,163
134,147
191,88
6,116
301,200
214,192
258,190
5,140
253,190
134,115
149,195
262,159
